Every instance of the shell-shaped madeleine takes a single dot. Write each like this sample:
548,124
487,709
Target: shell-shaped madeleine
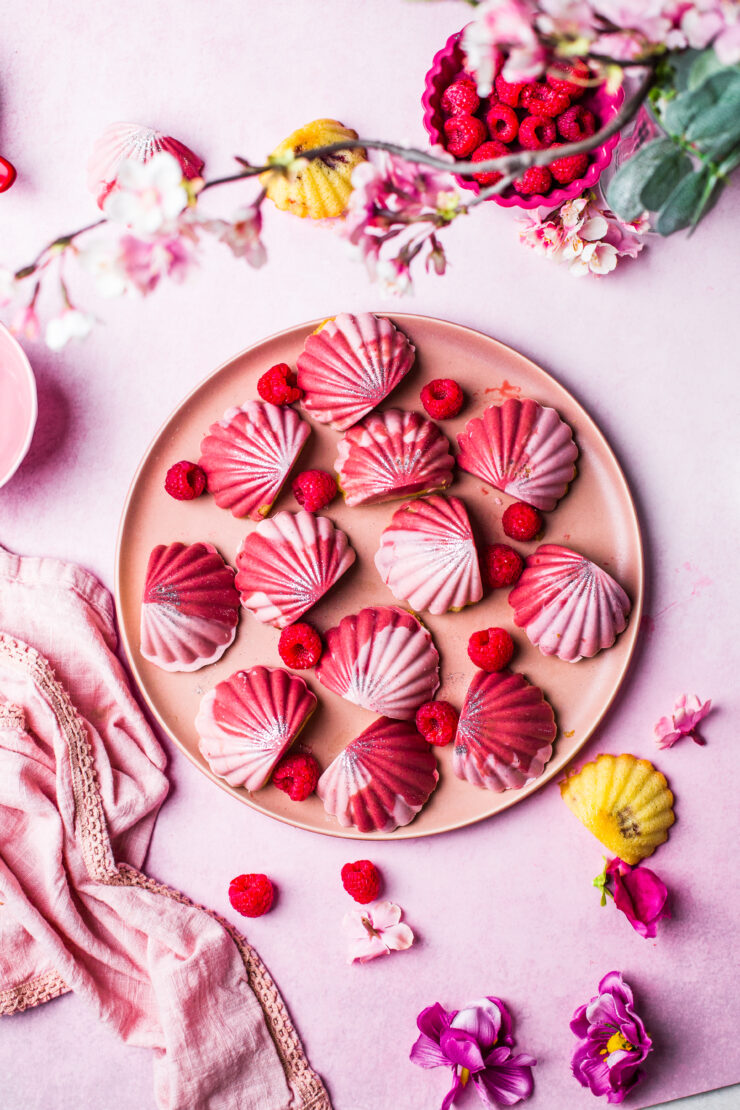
319,188
567,605
248,455
126,142
505,732
190,607
624,801
522,448
288,563
247,722
390,455
427,555
382,778
351,364
382,659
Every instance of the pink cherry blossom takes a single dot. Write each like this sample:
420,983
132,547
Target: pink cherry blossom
503,23
376,931
71,323
587,238
149,195
146,261
241,234
25,323
688,712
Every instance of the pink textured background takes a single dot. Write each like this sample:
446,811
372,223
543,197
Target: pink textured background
507,906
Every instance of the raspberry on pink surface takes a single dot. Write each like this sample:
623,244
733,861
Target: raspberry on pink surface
437,722
362,881
296,775
502,122
299,646
537,179
251,895
537,132
278,385
542,100
565,170
464,134
576,123
442,398
509,92
491,649
522,522
502,565
460,98
314,489
492,149
185,481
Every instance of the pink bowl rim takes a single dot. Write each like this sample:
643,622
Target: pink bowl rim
23,362
554,198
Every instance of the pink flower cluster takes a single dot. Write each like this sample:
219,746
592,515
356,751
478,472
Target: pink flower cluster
688,712
582,235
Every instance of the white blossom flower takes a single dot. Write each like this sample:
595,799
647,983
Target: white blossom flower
149,195
70,324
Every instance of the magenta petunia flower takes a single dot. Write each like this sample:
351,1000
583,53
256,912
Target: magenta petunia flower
613,1041
476,1043
640,895
687,714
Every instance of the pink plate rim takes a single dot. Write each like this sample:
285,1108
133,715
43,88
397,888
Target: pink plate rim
25,365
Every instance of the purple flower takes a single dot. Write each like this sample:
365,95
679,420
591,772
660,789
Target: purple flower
640,895
613,1041
476,1043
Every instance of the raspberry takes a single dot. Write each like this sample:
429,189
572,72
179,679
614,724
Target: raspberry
362,880
491,649
521,521
542,100
314,489
442,398
576,123
251,895
464,134
296,775
493,149
502,123
437,722
537,179
508,92
278,385
460,98
537,132
502,565
299,646
565,170
570,77
184,481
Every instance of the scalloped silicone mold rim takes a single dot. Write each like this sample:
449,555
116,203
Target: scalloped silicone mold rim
447,63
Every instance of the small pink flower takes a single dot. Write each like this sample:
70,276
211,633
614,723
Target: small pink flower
376,931
241,234
688,712
149,196
640,895
503,25
145,261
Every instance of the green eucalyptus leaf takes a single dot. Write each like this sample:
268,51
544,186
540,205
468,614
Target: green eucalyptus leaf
664,178
704,66
722,148
624,190
686,203
729,163
681,112
721,119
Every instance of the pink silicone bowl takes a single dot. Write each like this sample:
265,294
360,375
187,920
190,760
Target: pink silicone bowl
448,62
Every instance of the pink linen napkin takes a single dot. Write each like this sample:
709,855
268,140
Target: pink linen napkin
81,781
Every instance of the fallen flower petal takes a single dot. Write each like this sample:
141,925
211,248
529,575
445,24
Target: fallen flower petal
688,712
640,895
376,931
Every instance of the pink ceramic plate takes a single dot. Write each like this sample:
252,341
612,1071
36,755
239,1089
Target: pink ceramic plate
596,517
18,405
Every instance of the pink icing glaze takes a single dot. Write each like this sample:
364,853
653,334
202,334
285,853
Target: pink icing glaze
18,405
131,141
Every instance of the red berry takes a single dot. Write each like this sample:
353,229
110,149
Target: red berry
502,123
8,174
362,880
537,132
314,489
460,98
509,92
576,123
251,895
296,775
464,134
299,646
572,78
437,722
522,521
537,179
278,385
502,565
184,481
491,649
442,398
542,100
565,170
492,149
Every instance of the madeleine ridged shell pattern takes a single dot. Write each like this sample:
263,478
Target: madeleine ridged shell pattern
382,659
522,448
318,189
427,555
382,778
122,142
567,605
505,732
288,563
246,723
624,801
190,607
390,455
351,364
248,455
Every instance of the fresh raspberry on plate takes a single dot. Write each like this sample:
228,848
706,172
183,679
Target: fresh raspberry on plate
492,149
491,649
509,92
537,132
543,100
464,134
299,646
502,565
565,170
314,489
502,123
437,722
296,775
572,78
442,398
576,123
184,481
521,521
460,98
362,880
251,895
537,179
278,385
